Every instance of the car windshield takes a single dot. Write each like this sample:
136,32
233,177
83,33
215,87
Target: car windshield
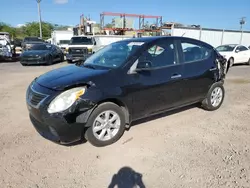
113,56
81,40
225,48
41,47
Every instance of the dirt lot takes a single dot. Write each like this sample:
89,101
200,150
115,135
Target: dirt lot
188,148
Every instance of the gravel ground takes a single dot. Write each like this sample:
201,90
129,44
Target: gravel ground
186,148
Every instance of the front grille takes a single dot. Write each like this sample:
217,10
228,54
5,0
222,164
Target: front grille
78,51
34,98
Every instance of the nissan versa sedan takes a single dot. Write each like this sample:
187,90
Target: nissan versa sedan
125,81
42,54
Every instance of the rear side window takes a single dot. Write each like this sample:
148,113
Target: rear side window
242,48
161,54
193,52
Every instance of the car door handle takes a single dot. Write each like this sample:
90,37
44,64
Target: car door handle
176,76
212,69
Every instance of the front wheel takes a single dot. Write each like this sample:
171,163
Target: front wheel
248,63
214,98
50,60
106,125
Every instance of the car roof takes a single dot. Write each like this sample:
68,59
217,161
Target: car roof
155,38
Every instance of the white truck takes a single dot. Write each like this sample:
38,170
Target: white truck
83,46
61,38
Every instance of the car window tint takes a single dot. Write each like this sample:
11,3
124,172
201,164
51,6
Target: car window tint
243,48
160,55
193,52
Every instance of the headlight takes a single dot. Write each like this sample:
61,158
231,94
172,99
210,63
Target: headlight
90,50
65,99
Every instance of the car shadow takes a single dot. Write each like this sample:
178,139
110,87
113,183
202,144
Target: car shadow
126,177
239,64
164,114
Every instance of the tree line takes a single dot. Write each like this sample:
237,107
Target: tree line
30,29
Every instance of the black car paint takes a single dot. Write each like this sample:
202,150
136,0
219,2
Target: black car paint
139,94
29,56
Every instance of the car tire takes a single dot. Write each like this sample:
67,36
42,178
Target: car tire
231,62
62,58
110,133
69,61
248,63
214,98
50,60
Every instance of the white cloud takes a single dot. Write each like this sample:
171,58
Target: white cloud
20,25
61,1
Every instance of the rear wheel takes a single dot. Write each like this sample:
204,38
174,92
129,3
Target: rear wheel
231,62
106,125
214,98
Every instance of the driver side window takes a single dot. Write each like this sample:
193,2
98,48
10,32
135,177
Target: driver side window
160,54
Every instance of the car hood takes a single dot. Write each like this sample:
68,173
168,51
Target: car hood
226,53
35,52
67,76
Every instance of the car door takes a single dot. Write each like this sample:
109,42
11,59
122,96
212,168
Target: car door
245,54
239,55
158,88
198,69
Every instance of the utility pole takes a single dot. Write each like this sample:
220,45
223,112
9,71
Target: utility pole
40,20
242,22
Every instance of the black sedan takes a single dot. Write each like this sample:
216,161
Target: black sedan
42,54
123,82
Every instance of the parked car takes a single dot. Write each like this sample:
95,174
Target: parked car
123,82
235,53
28,42
42,54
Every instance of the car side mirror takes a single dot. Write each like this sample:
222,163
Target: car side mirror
144,66
236,51
95,43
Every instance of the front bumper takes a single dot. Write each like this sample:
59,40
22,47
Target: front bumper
32,61
62,128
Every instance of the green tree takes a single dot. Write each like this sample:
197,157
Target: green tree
32,29
7,28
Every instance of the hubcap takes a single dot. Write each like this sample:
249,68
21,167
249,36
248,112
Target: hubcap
216,96
106,125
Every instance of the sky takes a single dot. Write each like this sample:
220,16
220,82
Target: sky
222,14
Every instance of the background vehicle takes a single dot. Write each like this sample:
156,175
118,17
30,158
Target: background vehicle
235,53
81,47
63,44
123,82
42,54
28,42
5,46
16,46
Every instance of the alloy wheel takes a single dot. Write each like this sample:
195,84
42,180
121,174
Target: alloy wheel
216,96
106,125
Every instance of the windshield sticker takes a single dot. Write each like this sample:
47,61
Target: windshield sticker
135,43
